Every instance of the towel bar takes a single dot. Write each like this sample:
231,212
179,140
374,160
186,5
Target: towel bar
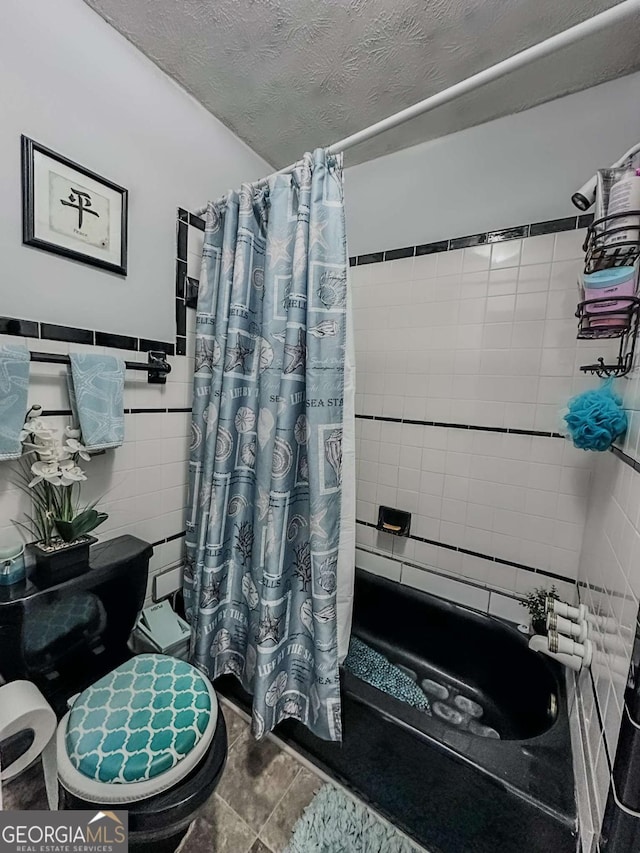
157,365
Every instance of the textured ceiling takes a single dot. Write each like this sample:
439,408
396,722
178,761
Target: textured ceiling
289,75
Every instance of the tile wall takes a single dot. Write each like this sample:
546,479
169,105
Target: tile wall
465,359
609,584
143,484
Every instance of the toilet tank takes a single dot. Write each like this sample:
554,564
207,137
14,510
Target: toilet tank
63,636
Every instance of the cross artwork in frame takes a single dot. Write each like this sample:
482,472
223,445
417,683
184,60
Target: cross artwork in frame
71,211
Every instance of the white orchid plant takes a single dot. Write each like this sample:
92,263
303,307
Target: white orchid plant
50,474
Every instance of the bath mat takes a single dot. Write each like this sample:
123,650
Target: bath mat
334,823
370,666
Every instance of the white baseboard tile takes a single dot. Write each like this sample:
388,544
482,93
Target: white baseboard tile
377,565
166,583
448,588
166,554
505,607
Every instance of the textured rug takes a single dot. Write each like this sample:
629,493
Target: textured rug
371,666
334,823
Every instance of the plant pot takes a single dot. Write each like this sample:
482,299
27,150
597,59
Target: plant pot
62,560
539,626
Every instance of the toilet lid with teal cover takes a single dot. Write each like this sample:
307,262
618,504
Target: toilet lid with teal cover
138,721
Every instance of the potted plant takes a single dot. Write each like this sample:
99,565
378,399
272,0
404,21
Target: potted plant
50,474
535,602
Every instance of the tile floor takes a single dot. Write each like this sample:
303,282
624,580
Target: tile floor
263,792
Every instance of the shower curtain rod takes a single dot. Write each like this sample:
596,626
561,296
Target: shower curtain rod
592,25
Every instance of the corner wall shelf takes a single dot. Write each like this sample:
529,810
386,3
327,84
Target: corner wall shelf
623,324
610,317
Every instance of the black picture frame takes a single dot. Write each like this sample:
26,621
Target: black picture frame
29,237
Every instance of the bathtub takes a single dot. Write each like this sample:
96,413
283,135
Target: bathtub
452,790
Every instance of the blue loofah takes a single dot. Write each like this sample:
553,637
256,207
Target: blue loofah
596,418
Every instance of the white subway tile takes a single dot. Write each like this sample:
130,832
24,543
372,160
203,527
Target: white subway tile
378,565
444,587
506,254
508,608
537,250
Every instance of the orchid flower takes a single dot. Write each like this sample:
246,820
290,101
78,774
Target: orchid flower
52,481
48,471
75,446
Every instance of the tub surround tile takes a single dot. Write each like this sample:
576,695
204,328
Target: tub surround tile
396,254
471,240
508,234
507,608
385,542
447,588
371,258
551,226
496,381
377,565
432,248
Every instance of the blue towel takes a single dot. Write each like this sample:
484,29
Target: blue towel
96,391
14,387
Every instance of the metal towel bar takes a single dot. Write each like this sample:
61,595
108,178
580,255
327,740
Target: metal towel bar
157,366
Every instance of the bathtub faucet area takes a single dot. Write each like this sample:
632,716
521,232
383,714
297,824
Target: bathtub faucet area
567,638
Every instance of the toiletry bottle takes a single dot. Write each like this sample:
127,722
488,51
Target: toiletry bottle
624,195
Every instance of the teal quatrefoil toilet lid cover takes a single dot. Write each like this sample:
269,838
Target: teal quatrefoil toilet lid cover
138,721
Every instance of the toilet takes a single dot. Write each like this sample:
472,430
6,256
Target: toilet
143,733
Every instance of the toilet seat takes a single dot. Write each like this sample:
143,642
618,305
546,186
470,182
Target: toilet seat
136,732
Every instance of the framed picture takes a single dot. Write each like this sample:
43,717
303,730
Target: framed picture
71,211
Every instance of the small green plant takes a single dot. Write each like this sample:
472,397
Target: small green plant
535,602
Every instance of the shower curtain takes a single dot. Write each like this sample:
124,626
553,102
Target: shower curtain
270,527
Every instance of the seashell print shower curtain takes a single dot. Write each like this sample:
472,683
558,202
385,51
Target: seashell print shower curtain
269,574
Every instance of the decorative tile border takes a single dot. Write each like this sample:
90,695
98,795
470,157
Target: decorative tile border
186,286
550,226
447,425
169,538
459,549
70,334
51,413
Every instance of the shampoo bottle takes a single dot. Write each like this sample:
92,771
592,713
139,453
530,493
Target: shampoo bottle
624,196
